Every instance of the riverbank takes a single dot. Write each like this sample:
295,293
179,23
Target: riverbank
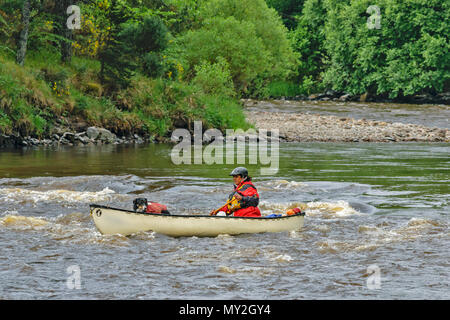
293,127
297,122
91,137
302,127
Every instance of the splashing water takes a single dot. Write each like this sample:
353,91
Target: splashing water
22,196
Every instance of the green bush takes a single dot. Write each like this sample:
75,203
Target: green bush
82,104
308,85
278,89
247,34
5,123
161,103
268,27
227,37
150,35
214,78
221,112
152,65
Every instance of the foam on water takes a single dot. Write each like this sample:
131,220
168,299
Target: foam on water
285,184
282,258
226,269
247,270
335,209
21,196
74,228
22,222
321,209
372,237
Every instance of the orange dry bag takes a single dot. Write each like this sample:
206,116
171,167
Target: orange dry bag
291,212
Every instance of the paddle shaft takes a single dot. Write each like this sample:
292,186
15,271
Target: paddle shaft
215,211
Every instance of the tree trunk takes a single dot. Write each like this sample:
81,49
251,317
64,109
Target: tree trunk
62,29
23,37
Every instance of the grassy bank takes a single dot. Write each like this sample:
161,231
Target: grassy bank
44,95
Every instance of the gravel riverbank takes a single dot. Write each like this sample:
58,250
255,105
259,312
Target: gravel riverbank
293,126
301,127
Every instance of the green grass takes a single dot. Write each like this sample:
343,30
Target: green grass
306,86
283,89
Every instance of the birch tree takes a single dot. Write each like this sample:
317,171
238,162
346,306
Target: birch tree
23,37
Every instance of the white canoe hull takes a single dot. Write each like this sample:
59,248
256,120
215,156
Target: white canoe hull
117,221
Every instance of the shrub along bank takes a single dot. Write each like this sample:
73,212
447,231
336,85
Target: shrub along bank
46,99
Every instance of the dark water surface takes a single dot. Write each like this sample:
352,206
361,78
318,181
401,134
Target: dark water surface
368,205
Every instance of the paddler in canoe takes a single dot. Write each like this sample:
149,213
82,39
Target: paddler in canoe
244,200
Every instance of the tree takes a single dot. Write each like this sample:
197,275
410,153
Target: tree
408,54
147,39
289,10
247,34
115,56
268,27
65,34
23,37
308,40
235,41
132,44
214,78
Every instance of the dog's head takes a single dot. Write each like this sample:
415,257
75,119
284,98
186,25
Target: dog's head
140,204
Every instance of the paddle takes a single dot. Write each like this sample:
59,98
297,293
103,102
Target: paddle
215,211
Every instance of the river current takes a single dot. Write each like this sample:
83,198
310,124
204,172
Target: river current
376,225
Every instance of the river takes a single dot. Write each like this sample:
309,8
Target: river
376,225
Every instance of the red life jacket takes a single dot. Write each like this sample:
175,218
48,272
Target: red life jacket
153,207
248,208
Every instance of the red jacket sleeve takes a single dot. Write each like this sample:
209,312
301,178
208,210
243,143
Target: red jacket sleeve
224,208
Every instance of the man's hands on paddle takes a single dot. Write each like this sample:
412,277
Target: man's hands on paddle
237,196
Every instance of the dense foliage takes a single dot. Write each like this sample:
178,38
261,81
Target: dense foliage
408,53
152,65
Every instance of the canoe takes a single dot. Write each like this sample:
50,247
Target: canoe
119,221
